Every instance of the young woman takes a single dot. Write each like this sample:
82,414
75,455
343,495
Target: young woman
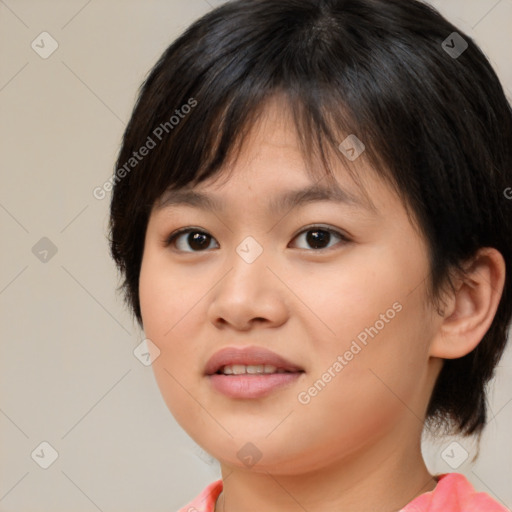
310,218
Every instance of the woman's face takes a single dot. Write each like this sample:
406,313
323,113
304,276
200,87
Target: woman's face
261,272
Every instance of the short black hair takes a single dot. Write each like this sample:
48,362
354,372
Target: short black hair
426,103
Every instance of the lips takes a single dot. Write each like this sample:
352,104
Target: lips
248,356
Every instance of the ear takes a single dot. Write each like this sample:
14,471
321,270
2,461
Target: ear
470,310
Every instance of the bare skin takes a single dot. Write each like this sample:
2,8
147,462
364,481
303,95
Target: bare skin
355,446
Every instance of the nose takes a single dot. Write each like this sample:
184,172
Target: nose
248,294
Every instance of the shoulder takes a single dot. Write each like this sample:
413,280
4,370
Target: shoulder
454,493
205,501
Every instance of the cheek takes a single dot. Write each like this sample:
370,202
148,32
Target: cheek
165,296
358,292
377,389
382,333
168,322
161,311
151,295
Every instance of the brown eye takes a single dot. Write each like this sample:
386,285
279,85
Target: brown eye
195,239
317,237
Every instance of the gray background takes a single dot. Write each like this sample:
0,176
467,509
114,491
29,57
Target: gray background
68,375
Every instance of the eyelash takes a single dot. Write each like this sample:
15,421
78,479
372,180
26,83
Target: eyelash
173,236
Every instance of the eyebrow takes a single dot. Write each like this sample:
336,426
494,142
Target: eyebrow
290,200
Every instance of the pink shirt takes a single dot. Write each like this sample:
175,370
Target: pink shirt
453,493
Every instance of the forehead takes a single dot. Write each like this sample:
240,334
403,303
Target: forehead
271,161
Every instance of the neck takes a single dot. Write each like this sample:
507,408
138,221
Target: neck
381,478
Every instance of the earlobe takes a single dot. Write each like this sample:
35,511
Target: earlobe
472,307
